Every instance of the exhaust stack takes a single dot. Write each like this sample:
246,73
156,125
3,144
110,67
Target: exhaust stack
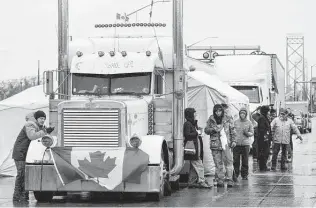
179,84
63,45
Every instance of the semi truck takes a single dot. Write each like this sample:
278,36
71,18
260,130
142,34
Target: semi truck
300,110
258,76
118,119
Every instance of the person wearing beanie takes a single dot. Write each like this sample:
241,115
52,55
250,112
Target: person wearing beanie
281,132
244,131
190,133
263,137
219,126
32,130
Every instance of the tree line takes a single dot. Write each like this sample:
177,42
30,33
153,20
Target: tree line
11,87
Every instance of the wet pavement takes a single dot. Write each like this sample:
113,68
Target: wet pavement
295,187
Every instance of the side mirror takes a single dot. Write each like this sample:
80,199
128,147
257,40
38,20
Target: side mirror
48,80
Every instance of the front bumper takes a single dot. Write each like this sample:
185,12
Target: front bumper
150,181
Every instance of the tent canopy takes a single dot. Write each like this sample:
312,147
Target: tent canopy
12,113
206,90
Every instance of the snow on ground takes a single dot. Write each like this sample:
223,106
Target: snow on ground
12,118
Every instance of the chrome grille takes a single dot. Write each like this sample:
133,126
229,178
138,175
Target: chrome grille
91,128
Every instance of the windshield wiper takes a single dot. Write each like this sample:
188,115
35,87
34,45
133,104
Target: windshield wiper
128,93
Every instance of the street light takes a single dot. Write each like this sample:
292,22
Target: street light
310,89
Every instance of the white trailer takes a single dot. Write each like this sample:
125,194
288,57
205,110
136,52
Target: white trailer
260,77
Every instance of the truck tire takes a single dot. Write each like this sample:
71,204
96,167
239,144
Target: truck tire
43,196
165,188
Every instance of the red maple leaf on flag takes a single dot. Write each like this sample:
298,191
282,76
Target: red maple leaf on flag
98,167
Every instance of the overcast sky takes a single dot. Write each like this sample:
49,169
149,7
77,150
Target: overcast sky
29,27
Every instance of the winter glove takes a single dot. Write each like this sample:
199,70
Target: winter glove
299,137
50,130
233,144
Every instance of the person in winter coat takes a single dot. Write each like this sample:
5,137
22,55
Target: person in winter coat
255,116
190,132
220,126
281,132
244,130
32,130
264,137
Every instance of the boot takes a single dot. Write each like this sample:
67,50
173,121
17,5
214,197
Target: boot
220,183
230,184
204,185
235,178
193,185
208,184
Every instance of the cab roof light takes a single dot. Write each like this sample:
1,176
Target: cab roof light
101,53
131,25
79,53
112,53
124,53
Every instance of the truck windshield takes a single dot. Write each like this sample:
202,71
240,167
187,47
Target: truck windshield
252,92
131,83
85,84
92,84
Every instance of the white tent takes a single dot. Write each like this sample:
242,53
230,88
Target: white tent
204,91
12,113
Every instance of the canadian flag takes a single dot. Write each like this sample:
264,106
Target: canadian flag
107,167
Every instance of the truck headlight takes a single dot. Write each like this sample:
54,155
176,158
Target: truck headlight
135,141
47,141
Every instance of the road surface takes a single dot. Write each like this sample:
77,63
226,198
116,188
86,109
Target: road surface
295,187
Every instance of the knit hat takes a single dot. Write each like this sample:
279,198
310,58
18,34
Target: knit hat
39,114
189,114
264,110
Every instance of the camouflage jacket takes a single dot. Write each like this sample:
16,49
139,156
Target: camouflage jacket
214,130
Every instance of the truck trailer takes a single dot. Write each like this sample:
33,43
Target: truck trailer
258,76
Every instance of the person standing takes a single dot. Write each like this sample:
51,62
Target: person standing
264,137
254,118
222,139
190,132
244,130
281,132
32,130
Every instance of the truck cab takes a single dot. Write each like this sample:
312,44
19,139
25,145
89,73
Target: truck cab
252,90
114,98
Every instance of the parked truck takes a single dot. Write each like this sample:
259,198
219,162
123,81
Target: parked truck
118,120
300,110
260,77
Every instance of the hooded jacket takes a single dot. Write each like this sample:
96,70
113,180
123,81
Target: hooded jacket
30,131
190,134
214,126
244,130
264,128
